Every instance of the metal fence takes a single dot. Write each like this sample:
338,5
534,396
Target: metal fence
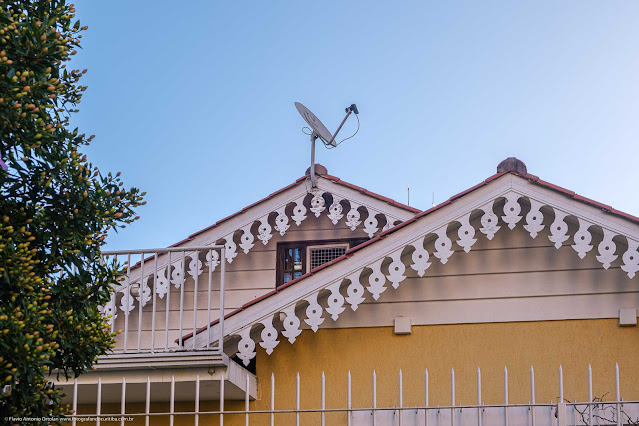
151,275
554,413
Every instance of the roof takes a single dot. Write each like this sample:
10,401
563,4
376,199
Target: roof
516,170
300,181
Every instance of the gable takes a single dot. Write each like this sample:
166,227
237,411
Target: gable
374,271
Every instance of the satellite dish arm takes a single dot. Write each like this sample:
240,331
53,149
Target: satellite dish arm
313,178
349,110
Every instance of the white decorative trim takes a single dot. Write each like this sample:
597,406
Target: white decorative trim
489,221
177,274
246,239
420,258
370,224
353,216
607,249
212,259
631,258
390,222
397,242
230,248
195,265
534,219
145,291
299,211
559,229
281,221
161,285
466,233
291,324
443,245
109,309
376,280
335,210
335,301
511,210
396,269
582,238
318,203
355,290
264,230
269,336
246,346
313,312
127,304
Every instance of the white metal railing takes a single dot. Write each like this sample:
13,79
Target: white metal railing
151,275
555,413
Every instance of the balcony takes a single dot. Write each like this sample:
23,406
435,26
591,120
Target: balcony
161,296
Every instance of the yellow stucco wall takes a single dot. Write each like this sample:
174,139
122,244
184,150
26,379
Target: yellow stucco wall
573,344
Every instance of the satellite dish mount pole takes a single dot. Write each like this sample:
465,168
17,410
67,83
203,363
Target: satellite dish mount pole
313,177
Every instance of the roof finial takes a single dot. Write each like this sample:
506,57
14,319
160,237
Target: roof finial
512,164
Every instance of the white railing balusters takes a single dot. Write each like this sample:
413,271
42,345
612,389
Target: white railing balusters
128,300
155,282
208,306
180,342
374,398
246,401
272,399
141,296
349,401
222,401
168,304
222,292
197,400
400,396
172,401
426,397
590,395
297,399
195,290
123,401
134,288
532,395
452,397
98,404
147,401
618,395
478,397
505,395
74,407
323,402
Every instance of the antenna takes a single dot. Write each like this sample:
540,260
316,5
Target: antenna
320,131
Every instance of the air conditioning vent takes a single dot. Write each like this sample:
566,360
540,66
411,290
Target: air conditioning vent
319,255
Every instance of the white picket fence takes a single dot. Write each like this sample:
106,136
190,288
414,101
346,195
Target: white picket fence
554,413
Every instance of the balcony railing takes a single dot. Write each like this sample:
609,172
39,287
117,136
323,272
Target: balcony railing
164,294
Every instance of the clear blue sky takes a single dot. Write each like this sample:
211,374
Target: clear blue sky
194,102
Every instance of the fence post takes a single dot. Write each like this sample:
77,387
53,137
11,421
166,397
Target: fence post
561,414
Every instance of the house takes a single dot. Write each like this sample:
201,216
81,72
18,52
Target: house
515,300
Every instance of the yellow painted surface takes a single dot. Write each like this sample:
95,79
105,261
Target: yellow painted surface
546,345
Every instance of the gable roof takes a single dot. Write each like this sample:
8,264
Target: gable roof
510,166
301,181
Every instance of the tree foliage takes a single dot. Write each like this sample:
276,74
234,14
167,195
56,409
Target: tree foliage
55,212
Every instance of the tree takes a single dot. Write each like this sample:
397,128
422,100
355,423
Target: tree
55,212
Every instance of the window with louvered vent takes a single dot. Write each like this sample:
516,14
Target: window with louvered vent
297,258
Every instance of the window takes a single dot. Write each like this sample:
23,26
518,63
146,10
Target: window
296,259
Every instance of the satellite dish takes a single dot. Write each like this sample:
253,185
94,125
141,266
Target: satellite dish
320,131
318,127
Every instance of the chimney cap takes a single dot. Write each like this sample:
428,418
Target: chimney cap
512,164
